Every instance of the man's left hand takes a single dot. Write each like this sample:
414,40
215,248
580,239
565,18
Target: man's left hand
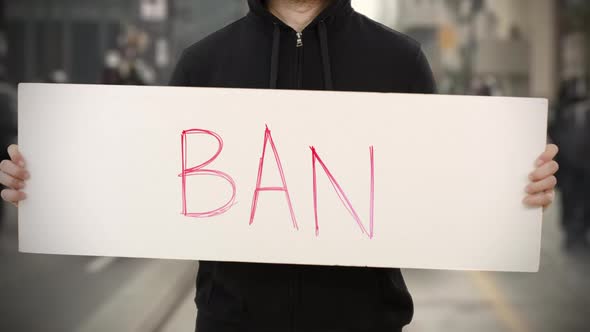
541,190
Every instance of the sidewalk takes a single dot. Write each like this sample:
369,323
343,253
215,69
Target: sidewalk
82,293
145,303
184,317
557,298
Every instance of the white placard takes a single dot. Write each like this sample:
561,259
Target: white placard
411,181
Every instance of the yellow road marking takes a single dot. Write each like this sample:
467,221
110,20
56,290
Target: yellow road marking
503,309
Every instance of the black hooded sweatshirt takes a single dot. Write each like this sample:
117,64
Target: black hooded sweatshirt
340,50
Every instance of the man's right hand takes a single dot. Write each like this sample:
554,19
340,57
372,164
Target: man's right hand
13,175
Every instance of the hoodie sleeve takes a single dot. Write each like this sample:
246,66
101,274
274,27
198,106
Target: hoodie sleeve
180,76
423,79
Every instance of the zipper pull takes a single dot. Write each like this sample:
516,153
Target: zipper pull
299,39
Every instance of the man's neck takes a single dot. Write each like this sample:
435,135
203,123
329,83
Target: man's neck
297,13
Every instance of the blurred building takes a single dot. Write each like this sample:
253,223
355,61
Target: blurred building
73,36
573,38
510,42
525,37
423,20
518,43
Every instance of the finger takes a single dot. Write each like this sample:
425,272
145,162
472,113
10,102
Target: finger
548,155
546,184
12,169
15,155
550,194
544,171
540,200
12,196
11,182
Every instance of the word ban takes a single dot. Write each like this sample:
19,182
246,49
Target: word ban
203,170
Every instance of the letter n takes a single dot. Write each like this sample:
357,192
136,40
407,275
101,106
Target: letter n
315,157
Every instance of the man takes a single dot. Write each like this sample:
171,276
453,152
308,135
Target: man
318,45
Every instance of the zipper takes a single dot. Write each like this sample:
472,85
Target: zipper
298,60
299,39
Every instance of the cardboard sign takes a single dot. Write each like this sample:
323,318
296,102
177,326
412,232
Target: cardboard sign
328,178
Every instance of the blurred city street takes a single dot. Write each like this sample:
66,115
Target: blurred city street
518,48
60,293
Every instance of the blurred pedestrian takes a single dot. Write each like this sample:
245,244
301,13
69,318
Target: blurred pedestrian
110,72
130,73
123,71
571,130
485,86
8,123
126,70
132,69
58,76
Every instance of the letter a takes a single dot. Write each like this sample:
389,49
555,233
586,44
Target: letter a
267,139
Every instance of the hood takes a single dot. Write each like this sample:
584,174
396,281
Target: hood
335,9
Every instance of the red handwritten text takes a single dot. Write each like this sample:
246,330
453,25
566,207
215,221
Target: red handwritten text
283,188
315,157
200,170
